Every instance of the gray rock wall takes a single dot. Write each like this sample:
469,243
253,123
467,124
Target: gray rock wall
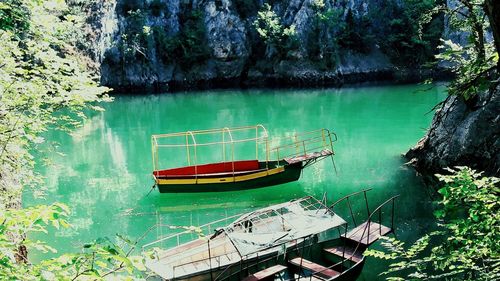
130,57
462,134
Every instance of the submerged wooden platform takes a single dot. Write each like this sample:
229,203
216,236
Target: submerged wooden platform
266,274
318,270
347,253
368,236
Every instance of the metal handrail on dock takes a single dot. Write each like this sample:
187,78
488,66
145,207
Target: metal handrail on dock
323,141
367,226
347,197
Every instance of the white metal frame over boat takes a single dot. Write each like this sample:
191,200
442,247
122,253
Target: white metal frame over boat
260,233
268,241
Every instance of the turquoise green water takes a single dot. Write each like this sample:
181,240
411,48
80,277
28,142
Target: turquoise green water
105,173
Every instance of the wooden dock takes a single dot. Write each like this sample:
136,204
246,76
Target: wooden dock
318,270
345,252
366,237
266,274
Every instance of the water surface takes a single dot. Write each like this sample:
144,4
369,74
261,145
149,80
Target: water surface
105,173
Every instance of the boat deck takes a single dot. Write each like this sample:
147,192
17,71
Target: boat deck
266,273
318,270
368,236
345,252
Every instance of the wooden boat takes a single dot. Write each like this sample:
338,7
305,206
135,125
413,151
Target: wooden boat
231,159
303,239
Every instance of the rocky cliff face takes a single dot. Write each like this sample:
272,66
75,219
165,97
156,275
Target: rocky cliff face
167,44
466,134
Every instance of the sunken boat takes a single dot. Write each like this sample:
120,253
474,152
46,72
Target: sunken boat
304,239
230,159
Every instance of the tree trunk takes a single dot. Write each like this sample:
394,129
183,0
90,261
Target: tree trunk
492,9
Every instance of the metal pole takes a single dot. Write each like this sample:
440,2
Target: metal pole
187,149
267,153
256,143
350,210
366,202
195,156
368,236
323,137
392,215
343,251
223,147
380,220
153,153
232,149
210,260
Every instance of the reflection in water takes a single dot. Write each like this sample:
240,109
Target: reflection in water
106,174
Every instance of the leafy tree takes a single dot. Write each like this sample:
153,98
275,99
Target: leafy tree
475,63
134,42
13,16
466,244
188,46
411,35
44,84
355,34
97,260
323,47
279,40
41,74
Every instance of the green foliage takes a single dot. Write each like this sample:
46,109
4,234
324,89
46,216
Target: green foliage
134,41
43,85
187,47
330,34
322,47
466,246
40,75
411,34
14,16
192,45
279,40
98,260
354,34
474,62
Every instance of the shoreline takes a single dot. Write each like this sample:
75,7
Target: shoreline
312,81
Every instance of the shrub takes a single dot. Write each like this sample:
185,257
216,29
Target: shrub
279,40
188,46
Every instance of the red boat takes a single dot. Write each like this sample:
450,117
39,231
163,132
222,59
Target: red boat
230,173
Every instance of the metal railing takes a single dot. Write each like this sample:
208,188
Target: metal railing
303,143
349,205
298,145
246,265
206,230
366,229
189,140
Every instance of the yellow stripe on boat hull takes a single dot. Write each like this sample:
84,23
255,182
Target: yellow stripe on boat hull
221,180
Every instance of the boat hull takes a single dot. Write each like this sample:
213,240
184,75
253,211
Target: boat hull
275,176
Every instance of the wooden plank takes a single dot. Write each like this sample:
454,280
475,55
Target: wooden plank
347,253
317,269
376,231
266,273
